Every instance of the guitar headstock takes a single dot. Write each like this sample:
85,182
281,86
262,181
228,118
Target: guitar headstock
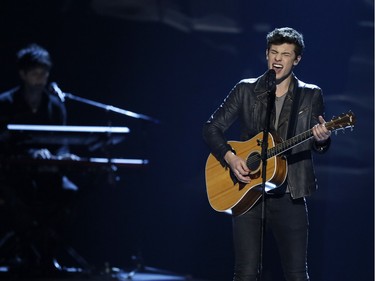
342,122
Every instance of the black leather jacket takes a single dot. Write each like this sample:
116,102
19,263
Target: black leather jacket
247,102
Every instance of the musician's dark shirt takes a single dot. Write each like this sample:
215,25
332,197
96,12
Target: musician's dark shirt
14,110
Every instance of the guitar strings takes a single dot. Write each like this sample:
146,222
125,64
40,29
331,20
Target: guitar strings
281,147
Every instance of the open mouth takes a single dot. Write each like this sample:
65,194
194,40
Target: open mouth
277,66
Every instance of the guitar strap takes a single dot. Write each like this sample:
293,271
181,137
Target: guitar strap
294,111
296,93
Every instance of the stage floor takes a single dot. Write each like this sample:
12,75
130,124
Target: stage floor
115,274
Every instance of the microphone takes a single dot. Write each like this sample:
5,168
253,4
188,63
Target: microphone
271,80
57,91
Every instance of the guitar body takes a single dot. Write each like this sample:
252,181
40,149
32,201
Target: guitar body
226,193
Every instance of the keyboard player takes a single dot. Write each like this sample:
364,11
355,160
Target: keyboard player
35,202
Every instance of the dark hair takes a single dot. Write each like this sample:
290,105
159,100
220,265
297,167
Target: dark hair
33,56
286,35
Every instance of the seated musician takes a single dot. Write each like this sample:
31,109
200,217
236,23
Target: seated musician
34,199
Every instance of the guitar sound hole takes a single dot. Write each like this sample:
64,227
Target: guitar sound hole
253,161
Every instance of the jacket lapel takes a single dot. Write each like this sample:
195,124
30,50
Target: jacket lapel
285,111
288,103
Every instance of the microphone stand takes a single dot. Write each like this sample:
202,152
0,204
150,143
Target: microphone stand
62,96
271,95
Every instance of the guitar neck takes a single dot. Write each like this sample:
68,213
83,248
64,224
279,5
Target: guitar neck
340,123
290,143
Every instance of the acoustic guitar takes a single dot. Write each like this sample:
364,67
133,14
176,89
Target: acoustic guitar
225,193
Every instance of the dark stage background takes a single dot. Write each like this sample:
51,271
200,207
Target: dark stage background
176,61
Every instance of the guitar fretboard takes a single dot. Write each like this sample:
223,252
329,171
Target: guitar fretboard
288,144
340,123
